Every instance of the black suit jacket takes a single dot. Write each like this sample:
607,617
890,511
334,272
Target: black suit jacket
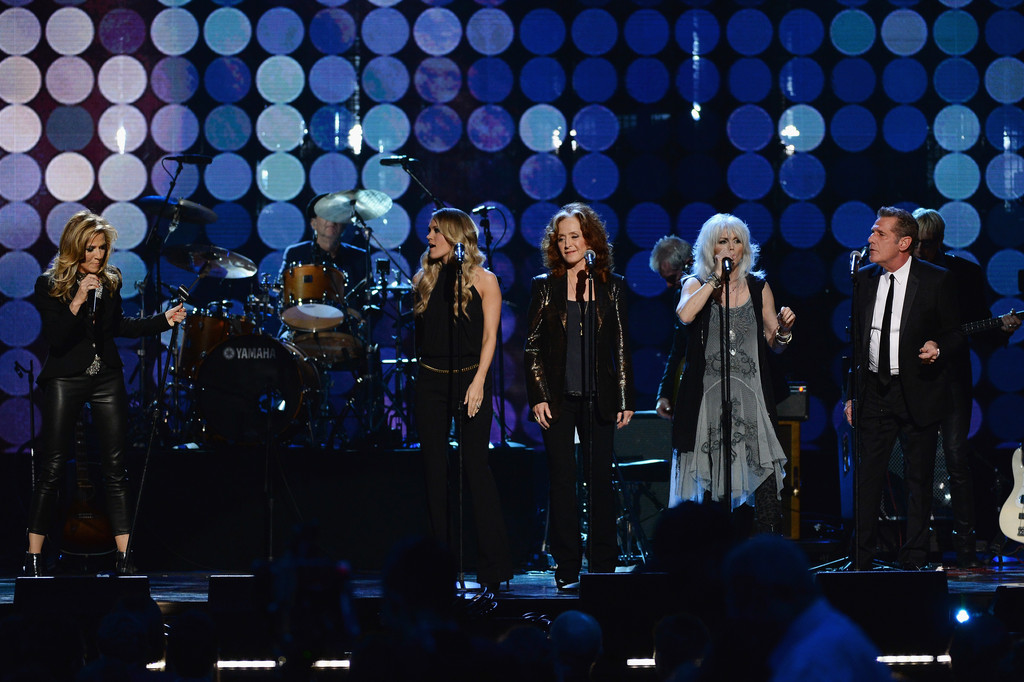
930,312
75,339
546,345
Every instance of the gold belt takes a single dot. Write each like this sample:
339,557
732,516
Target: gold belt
448,371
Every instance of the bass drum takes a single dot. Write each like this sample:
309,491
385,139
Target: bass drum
252,388
201,331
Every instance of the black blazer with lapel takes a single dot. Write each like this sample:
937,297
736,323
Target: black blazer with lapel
930,312
546,345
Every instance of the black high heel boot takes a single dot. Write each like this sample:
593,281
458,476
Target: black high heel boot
125,565
33,567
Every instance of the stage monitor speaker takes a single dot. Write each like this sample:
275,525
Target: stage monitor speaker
648,437
1008,606
795,406
90,596
239,614
627,605
903,612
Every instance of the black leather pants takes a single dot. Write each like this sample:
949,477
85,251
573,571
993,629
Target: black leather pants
62,402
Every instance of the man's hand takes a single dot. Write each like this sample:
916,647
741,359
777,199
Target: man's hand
929,353
664,408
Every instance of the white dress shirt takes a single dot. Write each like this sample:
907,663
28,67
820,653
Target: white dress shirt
898,295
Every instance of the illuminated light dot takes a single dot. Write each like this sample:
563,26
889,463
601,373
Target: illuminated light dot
646,223
502,266
438,128
594,32
20,80
697,31
801,79
391,180
802,225
955,32
904,80
392,229
20,128
175,128
330,127
332,31
542,31
174,31
227,79
22,226
647,80
801,31
750,176
122,79
227,128
534,221
280,176
750,79
490,128
122,128
69,31
905,128
610,218
489,31
646,32
386,128
228,177
233,227
280,79
1004,80
18,273
175,79
851,224
956,80
852,32
691,218
963,224
956,128
542,128
853,128
758,219
280,128
332,173
69,176
188,181
750,128
280,224
332,79
749,32
957,176
595,79
841,275
133,270
130,221
1004,128
69,80
438,79
502,226
595,176
21,327
385,79
596,126
280,30
809,278
437,31
542,176
122,31
490,79
385,31
1004,32
1004,176
904,32
19,31
57,218
697,80
122,177
801,127
227,31
853,80
542,79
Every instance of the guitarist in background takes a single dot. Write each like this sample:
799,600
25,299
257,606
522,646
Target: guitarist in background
79,302
970,287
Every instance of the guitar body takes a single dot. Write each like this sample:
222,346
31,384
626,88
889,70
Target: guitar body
87,530
1011,516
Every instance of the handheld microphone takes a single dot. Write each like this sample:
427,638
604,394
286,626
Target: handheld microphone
97,294
727,265
400,160
589,256
193,159
483,209
460,252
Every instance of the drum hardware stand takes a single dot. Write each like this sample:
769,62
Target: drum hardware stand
268,473
398,372
31,416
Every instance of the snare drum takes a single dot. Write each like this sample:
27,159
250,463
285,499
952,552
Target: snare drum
201,331
312,296
251,388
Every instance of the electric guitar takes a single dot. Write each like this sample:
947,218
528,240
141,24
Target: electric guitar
1011,516
87,530
986,324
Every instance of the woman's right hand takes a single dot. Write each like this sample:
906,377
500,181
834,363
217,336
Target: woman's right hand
89,283
542,413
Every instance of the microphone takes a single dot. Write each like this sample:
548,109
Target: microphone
727,265
483,209
97,294
460,252
855,259
193,159
400,160
589,256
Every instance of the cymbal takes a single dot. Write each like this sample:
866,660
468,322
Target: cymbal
188,211
342,207
210,261
404,287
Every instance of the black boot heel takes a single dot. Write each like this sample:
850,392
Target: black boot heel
125,565
33,567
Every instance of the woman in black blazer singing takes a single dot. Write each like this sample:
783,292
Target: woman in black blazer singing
557,372
79,301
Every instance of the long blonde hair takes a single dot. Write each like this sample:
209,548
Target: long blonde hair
457,227
78,232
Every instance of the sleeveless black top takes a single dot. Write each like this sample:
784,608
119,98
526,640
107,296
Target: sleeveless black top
435,327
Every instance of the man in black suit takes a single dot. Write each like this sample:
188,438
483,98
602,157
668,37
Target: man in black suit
906,325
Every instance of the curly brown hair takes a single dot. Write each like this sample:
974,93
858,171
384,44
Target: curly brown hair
594,232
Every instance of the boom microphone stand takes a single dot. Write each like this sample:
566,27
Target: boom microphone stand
725,342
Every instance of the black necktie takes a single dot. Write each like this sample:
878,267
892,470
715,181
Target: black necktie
883,340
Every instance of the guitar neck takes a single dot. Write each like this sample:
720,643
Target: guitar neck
983,325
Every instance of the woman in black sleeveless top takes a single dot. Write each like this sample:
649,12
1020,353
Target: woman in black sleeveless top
454,377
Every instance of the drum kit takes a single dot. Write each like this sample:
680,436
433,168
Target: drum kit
265,374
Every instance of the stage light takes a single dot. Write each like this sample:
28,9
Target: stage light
962,616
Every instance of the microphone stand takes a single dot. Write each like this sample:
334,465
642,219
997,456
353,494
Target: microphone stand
459,257
499,369
433,197
590,391
31,417
725,343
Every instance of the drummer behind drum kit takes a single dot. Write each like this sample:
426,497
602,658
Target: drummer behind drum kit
245,386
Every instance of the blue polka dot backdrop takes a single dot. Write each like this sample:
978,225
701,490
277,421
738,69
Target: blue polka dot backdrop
801,118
